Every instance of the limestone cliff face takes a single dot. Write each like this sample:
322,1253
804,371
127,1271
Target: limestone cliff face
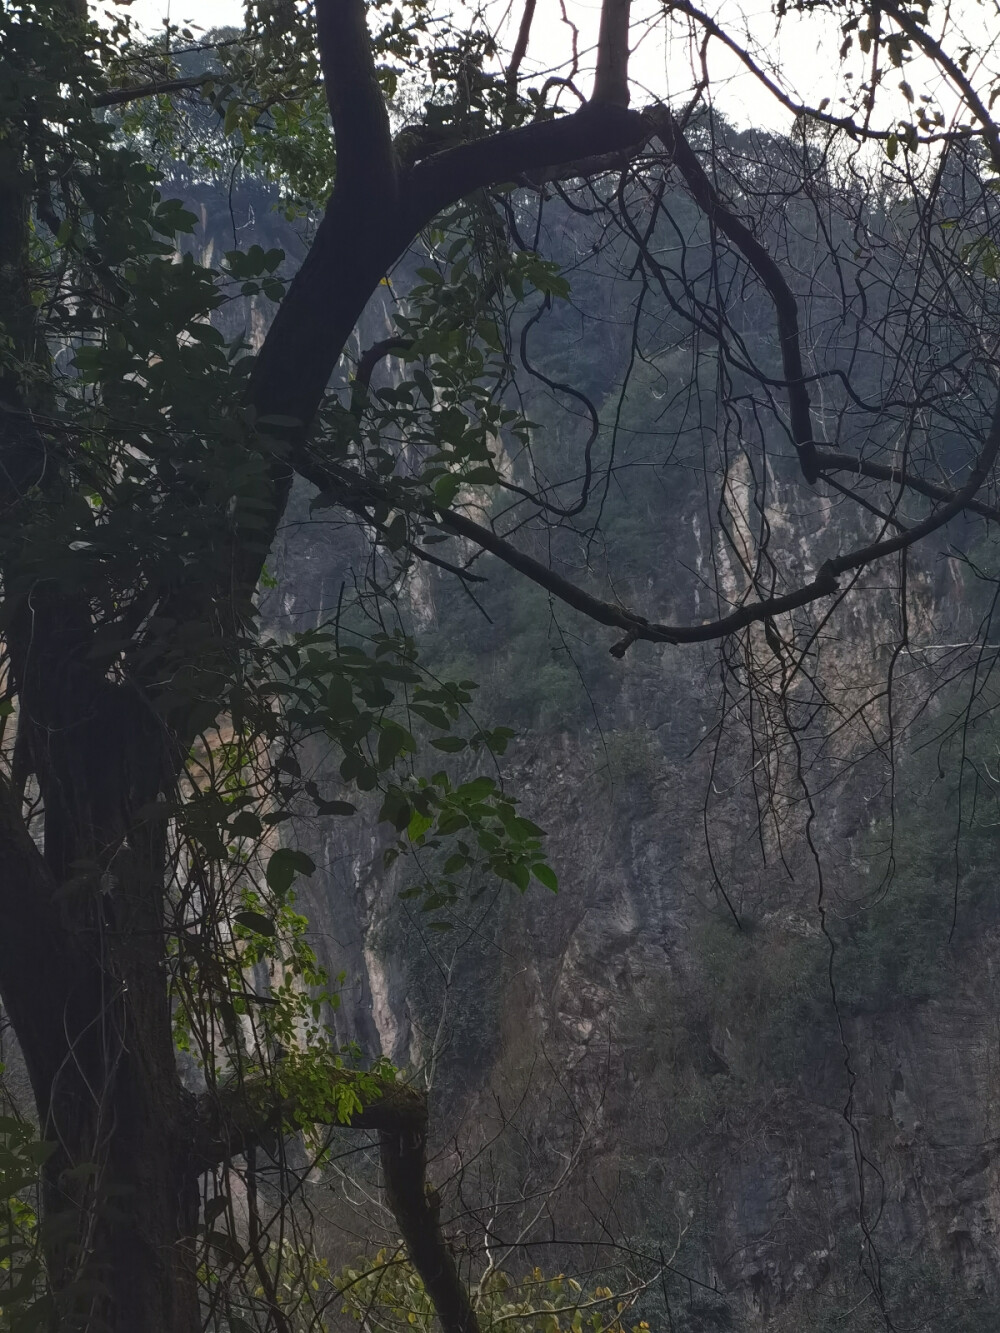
749,1037
696,1070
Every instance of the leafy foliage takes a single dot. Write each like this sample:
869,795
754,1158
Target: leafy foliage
389,1291
23,1303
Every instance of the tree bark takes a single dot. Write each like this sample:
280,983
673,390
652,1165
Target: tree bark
82,972
120,1207
89,1010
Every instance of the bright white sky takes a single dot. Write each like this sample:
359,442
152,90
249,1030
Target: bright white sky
804,49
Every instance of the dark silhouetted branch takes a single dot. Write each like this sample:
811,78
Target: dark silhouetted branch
827,461
232,1123
520,50
853,128
365,157
932,48
118,96
361,235
786,309
371,356
356,493
611,75
592,132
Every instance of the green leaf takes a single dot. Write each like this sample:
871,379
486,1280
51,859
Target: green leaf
393,741
246,825
418,826
284,865
352,766
395,810
215,1208
437,717
257,922
227,1247
517,873
450,744
339,696
452,823
423,383
545,875
446,488
342,808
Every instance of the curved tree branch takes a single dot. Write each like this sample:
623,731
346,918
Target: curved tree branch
362,234
518,53
231,1124
366,160
371,356
785,306
828,461
356,493
848,124
594,131
934,50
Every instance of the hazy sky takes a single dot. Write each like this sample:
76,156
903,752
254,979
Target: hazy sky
804,49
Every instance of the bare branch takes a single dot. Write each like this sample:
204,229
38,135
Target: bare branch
785,306
933,48
365,157
611,76
351,491
118,96
852,127
371,356
828,462
326,298
362,234
355,493
593,131
519,51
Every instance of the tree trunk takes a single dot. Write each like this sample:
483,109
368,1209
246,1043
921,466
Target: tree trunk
120,1198
83,976
121,1204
